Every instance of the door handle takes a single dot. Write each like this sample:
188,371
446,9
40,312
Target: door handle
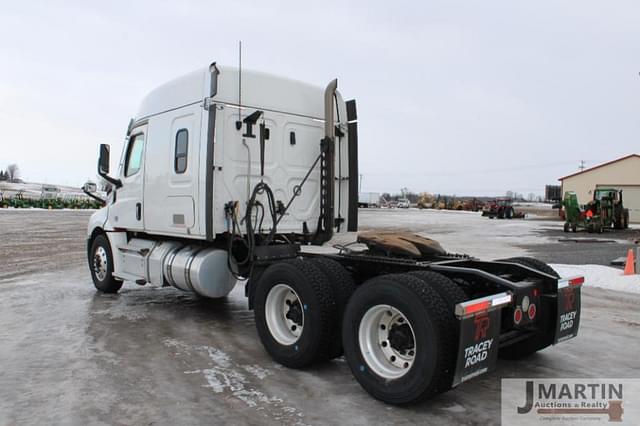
138,211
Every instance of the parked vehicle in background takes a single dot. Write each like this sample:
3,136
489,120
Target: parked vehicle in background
501,208
473,205
403,203
604,212
614,214
368,199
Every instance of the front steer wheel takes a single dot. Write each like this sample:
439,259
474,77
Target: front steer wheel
295,313
396,338
101,265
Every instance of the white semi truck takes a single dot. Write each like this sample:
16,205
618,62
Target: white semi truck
368,199
217,185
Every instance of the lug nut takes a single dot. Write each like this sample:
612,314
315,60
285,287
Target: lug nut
384,344
383,327
293,328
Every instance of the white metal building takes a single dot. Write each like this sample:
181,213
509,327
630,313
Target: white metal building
623,173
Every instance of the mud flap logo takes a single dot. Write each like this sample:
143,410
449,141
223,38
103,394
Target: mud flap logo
478,345
568,320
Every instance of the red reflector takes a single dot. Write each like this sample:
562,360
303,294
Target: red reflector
532,311
576,281
481,306
517,315
535,292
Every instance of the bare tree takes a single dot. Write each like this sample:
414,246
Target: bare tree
13,172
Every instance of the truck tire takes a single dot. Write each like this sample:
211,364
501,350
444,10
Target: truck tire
446,288
404,326
539,340
566,227
534,264
343,287
101,265
451,294
295,313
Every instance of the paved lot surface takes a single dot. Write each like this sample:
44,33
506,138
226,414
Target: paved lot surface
145,356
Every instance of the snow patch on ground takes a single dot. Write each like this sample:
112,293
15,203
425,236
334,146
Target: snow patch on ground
257,371
224,376
601,276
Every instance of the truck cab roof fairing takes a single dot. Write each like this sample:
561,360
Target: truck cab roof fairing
260,90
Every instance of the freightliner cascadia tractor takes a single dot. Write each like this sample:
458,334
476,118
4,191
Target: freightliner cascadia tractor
217,186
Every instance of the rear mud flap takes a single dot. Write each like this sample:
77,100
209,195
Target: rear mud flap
568,320
479,336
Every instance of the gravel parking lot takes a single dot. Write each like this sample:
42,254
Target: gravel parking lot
159,356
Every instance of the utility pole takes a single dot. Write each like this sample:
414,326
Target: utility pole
360,190
582,165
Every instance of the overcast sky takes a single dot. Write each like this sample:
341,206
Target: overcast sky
461,97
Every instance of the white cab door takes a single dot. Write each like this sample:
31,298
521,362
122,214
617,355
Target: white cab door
172,173
127,210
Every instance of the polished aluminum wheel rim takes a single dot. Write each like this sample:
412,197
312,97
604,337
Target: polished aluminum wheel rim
284,314
100,263
387,341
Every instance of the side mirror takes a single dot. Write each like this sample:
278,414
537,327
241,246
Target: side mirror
103,166
90,187
103,161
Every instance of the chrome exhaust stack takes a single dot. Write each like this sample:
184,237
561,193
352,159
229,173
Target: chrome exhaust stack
324,232
329,109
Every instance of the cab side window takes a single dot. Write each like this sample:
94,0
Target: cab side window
134,155
182,149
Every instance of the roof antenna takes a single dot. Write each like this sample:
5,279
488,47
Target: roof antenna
239,122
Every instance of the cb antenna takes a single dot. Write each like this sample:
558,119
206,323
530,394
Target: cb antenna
240,80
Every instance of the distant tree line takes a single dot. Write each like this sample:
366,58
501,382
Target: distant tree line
11,174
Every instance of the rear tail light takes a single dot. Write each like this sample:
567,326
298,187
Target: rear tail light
532,311
517,315
570,282
477,307
482,304
576,281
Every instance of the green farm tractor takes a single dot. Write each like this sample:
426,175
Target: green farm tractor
613,213
605,211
